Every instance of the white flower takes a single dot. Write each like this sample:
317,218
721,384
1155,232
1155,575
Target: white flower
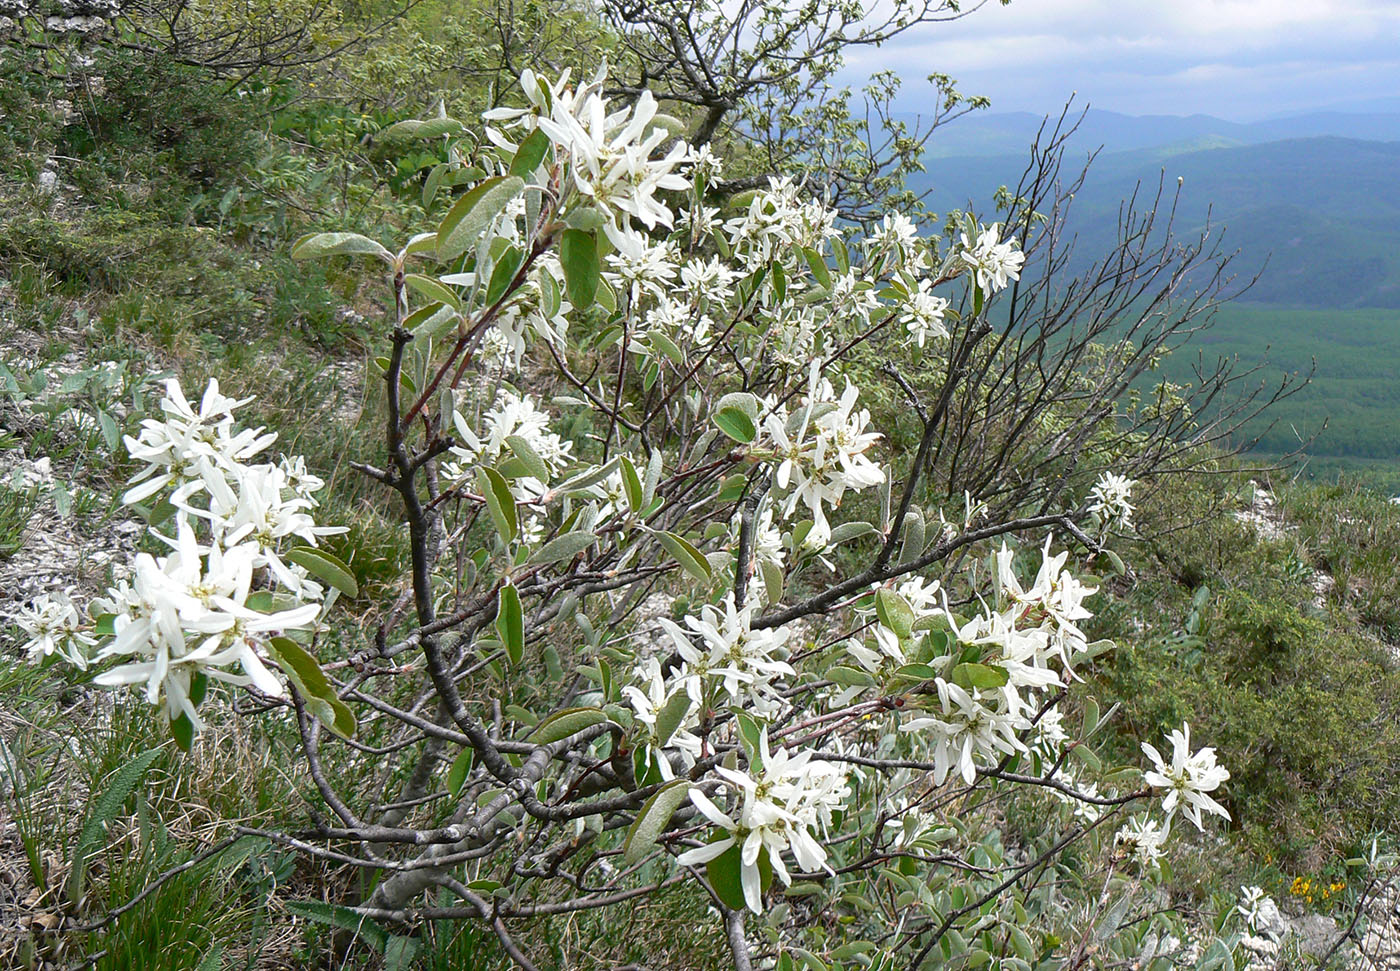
1143,838
1187,779
921,314
609,155
994,262
174,449
649,698
54,626
966,731
731,656
707,280
1110,498
780,804
1054,602
177,600
821,449
638,266
1250,906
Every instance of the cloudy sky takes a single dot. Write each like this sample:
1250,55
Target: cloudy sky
1238,59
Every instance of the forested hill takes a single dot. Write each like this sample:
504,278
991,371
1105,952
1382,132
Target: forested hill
1314,221
1321,212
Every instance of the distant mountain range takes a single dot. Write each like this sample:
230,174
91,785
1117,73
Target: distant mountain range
1011,132
1316,196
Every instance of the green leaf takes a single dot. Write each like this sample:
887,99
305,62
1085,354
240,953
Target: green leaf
894,612
399,952
111,434
343,918
631,483
916,672
818,266
460,769
432,320
433,128
772,580
690,559
969,675
306,676
725,873
473,213
672,713
666,346
750,733
105,806
510,622
503,274
846,532
653,477
653,819
736,425
530,154
578,254
564,547
499,501
588,477
1115,562
564,723
317,245
324,566
434,291
849,677
182,730
525,452
550,300
433,183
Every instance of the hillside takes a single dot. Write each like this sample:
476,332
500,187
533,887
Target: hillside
1319,212
1313,222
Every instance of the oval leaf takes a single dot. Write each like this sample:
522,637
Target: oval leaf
530,154
499,501
690,559
473,212
736,425
970,675
894,612
318,245
653,819
528,457
564,723
564,547
510,622
324,566
669,718
578,254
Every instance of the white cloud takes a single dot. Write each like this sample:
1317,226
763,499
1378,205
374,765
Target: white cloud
1231,57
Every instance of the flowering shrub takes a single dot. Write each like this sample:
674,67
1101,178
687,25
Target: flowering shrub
604,388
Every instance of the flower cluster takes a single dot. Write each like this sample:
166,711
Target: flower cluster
1111,500
54,626
820,450
993,261
209,607
1188,778
608,153
782,799
725,661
